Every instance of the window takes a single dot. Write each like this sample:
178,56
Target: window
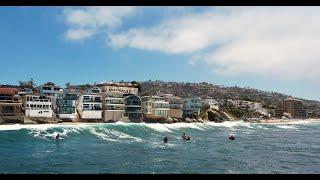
86,106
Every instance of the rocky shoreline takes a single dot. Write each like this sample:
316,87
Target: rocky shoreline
145,119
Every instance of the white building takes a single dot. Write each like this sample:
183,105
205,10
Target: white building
93,90
114,107
49,90
155,105
213,104
37,106
192,106
253,106
90,106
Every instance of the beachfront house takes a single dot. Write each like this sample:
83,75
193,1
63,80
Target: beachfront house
66,106
89,106
37,106
155,105
192,107
10,102
175,105
114,106
133,105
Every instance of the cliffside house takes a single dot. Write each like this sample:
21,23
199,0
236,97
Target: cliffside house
10,102
213,104
192,107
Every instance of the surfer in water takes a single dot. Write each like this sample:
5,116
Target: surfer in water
165,140
184,137
57,136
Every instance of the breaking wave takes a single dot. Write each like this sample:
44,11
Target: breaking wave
132,131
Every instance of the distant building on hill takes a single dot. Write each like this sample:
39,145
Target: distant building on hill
291,106
119,87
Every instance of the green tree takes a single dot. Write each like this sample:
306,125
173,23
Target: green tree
49,84
137,84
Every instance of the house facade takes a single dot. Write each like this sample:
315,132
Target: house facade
37,106
89,106
155,105
192,107
133,105
114,106
10,102
66,106
125,88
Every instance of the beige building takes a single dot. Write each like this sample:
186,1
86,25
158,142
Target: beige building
118,87
114,107
291,106
155,105
175,105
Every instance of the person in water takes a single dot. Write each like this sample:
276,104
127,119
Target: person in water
165,140
184,137
58,136
188,138
232,137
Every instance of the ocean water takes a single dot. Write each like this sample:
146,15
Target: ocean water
139,148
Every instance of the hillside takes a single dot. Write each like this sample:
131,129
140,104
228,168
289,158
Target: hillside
185,89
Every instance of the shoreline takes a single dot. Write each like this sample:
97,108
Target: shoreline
268,121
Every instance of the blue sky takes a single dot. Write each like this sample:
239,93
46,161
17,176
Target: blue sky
266,48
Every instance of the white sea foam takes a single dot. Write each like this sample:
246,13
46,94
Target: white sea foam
39,126
111,135
158,127
286,127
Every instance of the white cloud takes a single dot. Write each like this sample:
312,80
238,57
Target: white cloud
85,22
280,42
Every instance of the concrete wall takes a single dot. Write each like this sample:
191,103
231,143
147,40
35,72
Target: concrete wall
91,114
175,113
67,116
39,113
113,116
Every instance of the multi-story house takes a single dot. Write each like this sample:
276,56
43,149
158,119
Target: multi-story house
213,104
119,87
175,105
133,105
155,105
114,107
37,106
89,106
192,107
66,106
10,102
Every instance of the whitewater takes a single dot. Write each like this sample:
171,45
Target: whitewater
139,148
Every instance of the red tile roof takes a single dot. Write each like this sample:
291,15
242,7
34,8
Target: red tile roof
8,91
